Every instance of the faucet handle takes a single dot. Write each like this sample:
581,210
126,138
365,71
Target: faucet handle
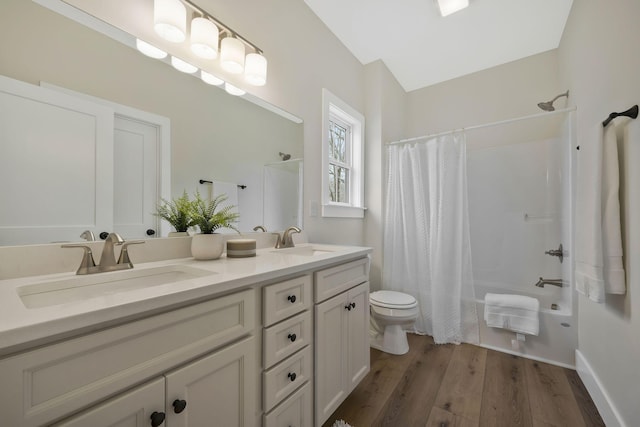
87,259
124,252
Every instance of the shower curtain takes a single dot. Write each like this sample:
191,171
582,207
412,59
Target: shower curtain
427,251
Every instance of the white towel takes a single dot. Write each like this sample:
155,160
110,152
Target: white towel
598,216
614,277
516,313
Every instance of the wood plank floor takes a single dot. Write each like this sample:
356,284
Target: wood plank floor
465,386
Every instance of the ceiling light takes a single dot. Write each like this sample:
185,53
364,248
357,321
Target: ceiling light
232,55
447,7
170,20
204,38
232,90
210,79
150,50
183,66
255,71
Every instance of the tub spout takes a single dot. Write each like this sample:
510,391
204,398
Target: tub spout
555,282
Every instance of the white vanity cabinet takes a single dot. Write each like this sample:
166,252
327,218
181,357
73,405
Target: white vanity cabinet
214,390
48,383
341,334
287,353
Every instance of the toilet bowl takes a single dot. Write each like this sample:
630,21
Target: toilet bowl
391,313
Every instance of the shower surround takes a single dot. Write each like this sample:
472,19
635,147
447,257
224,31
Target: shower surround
520,206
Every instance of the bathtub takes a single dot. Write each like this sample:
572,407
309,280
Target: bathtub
558,337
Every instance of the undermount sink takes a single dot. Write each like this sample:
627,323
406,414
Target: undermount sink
303,250
78,288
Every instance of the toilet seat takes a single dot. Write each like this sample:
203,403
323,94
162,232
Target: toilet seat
393,300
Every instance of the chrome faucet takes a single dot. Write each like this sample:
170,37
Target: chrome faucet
88,236
555,282
287,238
108,258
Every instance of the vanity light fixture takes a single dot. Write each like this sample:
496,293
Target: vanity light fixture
447,7
232,90
183,66
150,50
210,79
170,20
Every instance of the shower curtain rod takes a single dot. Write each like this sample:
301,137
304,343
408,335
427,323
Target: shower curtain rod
485,125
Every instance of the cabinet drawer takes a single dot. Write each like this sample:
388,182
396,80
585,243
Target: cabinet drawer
288,375
284,299
335,280
52,381
285,338
293,412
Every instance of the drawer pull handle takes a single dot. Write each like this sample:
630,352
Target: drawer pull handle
292,337
157,418
291,376
179,405
292,298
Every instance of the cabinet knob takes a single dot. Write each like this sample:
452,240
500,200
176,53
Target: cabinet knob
157,418
292,376
348,307
292,337
292,298
179,405
353,305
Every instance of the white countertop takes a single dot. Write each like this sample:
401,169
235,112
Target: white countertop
22,327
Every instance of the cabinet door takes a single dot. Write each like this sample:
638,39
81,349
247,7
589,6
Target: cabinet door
331,355
358,324
219,389
130,409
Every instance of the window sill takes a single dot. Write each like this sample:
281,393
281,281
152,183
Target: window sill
337,211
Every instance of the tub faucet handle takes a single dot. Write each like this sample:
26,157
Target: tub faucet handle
556,252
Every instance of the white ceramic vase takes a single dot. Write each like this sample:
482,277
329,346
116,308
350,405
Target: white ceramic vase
207,246
178,234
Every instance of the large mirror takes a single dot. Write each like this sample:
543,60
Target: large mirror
214,136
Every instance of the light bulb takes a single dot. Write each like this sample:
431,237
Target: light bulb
204,38
150,50
232,55
255,70
210,78
170,20
183,66
232,90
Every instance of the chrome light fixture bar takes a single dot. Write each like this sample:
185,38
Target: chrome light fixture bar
170,23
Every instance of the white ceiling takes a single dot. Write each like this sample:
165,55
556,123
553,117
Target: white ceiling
421,48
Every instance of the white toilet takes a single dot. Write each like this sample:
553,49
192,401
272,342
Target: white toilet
391,313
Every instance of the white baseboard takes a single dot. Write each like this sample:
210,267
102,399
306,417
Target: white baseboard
605,406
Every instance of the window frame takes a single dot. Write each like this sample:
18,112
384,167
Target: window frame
334,109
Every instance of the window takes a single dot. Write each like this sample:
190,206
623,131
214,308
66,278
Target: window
342,154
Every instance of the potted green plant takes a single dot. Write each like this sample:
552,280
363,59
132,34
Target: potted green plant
210,216
177,212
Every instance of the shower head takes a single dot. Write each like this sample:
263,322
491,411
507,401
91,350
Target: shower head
548,106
